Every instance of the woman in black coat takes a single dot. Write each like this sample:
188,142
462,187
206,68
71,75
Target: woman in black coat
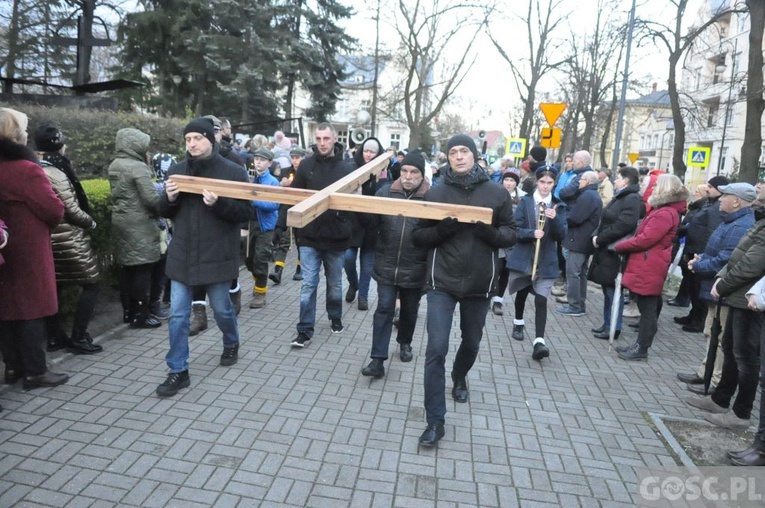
619,219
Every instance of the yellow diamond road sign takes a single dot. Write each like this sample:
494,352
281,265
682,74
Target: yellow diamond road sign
698,156
633,156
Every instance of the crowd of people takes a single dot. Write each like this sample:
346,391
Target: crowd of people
554,229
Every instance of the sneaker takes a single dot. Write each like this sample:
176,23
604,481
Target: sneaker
350,295
540,351
558,291
302,340
337,325
405,353
174,382
363,303
375,369
567,310
230,356
634,354
518,332
496,308
157,312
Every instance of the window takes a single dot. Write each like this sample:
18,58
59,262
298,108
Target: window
342,137
697,79
366,105
724,157
712,115
642,142
655,143
395,140
729,115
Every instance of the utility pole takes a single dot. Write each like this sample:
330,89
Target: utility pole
622,101
377,70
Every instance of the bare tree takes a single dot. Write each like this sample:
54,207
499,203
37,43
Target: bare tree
542,20
434,64
755,104
677,43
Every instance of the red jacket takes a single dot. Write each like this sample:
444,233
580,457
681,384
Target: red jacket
30,209
650,250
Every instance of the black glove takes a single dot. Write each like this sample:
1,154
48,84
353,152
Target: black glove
447,227
486,232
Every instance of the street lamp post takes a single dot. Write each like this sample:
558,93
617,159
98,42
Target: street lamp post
720,159
177,80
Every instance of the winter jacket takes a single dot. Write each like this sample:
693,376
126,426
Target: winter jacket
582,219
75,261
650,250
563,179
701,226
693,209
205,246
606,191
520,258
30,210
620,218
570,191
397,261
266,212
331,230
365,236
134,201
745,267
464,264
720,247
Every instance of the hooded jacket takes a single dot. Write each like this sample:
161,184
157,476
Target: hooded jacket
745,267
583,218
205,246
266,212
464,264
134,201
650,250
397,261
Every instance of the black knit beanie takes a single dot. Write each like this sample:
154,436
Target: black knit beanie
48,138
203,126
414,159
463,140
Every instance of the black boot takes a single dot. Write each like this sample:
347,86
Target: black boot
517,332
128,308
376,368
142,317
57,340
82,344
298,274
276,275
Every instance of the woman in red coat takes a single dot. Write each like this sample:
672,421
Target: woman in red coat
650,253
30,210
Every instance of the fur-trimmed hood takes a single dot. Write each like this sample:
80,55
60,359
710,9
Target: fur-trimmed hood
12,151
681,195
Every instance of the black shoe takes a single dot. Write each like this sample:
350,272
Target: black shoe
693,328
602,328
405,353
634,354
350,295
276,275
302,340
58,342
298,274
375,369
337,325
691,379
230,356
174,382
47,380
682,320
147,323
677,303
540,351
12,375
432,434
460,391
622,349
699,389
517,332
496,308
363,303
604,335
752,459
84,347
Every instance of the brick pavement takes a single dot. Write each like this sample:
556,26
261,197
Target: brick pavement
289,427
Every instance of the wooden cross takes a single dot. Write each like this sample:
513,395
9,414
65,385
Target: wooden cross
309,204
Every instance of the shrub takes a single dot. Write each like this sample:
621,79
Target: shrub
99,197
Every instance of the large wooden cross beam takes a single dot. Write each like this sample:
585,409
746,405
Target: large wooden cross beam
309,204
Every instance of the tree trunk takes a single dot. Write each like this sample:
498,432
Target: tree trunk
755,104
13,46
678,164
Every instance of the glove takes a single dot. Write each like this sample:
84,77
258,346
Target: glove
447,227
485,232
595,241
93,224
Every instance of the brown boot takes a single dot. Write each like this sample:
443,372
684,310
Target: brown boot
258,301
198,318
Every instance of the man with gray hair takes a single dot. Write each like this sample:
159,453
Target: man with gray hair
583,219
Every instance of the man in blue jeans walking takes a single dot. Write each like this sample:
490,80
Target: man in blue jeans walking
463,265
204,251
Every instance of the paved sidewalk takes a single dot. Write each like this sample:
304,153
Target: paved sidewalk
287,427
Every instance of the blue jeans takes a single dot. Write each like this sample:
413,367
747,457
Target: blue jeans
361,280
608,300
311,260
472,319
382,324
180,312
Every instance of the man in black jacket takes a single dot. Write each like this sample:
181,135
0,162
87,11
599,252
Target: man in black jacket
324,240
463,265
204,251
399,267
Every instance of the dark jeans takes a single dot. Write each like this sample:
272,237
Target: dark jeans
382,324
650,307
199,293
504,276
158,280
608,300
23,345
472,319
135,281
359,279
741,364
683,292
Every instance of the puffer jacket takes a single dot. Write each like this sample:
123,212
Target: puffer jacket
619,219
205,246
720,248
266,212
520,258
134,201
464,264
75,261
650,250
397,261
746,266
701,226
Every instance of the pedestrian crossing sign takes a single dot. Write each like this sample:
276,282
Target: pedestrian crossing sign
698,156
515,147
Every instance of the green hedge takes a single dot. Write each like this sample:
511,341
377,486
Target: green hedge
90,134
99,197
